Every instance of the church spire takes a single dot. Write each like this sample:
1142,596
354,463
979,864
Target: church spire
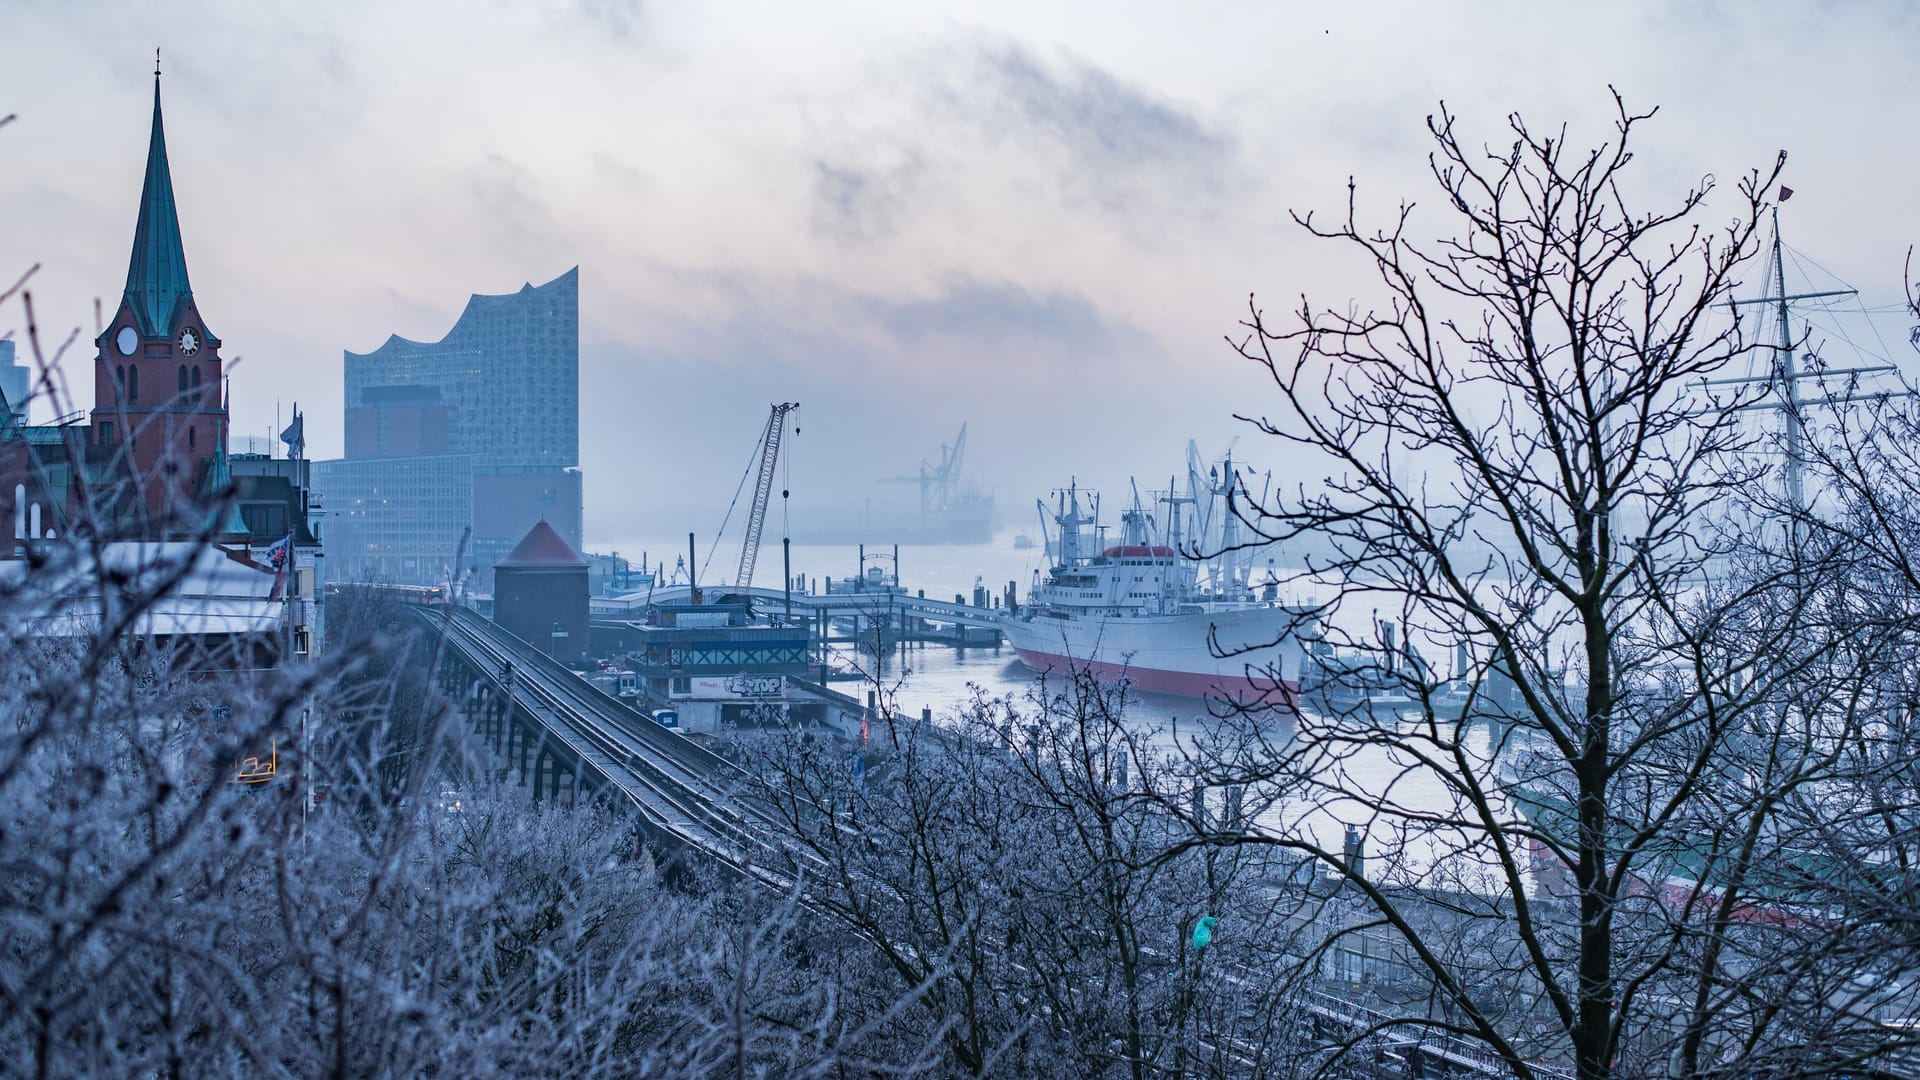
157,275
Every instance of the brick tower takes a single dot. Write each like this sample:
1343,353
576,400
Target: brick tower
156,382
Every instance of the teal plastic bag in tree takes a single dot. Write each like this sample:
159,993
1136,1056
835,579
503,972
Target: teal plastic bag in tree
1203,931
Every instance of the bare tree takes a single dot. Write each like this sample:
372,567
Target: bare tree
1574,843
1013,859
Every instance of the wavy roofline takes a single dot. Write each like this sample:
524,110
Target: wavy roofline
477,300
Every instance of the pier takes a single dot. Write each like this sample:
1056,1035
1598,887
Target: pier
893,604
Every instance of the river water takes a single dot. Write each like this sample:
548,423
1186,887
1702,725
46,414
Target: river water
943,679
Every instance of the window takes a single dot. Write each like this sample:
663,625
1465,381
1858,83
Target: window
183,380
133,386
189,438
196,382
265,519
120,381
106,432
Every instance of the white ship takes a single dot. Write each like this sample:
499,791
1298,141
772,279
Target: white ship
1141,611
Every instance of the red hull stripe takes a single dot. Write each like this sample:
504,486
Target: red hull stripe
1198,684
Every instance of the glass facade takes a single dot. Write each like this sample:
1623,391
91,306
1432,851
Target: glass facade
396,519
479,430
509,370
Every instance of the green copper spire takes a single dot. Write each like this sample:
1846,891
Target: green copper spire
216,488
157,276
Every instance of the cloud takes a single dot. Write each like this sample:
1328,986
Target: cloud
1104,123
864,202
966,125
619,18
509,200
1003,315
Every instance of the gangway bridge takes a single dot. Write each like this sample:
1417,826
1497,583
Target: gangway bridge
854,604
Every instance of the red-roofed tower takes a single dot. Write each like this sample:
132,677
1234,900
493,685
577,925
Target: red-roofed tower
540,594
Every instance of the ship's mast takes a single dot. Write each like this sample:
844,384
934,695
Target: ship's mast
1786,366
1071,520
1786,375
1230,555
1175,513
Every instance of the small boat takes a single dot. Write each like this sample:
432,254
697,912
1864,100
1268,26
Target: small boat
1338,685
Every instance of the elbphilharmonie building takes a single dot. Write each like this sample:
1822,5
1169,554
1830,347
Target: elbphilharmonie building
477,434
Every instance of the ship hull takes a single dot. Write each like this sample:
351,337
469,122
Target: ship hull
1171,654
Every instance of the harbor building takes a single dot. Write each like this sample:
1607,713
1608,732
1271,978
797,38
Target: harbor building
540,595
476,435
397,520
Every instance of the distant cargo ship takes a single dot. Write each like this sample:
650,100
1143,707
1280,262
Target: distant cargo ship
967,519
1139,611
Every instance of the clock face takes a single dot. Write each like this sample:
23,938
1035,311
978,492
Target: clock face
189,341
127,341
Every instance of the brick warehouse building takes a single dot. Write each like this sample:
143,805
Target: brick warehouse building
540,595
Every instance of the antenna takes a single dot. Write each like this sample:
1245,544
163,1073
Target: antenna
156,61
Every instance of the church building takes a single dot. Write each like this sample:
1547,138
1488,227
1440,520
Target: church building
148,462
147,469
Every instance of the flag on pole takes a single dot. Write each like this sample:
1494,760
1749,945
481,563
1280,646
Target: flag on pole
1785,193
279,557
295,436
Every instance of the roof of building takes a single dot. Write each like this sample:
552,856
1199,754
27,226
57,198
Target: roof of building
567,283
157,284
210,591
252,490
542,549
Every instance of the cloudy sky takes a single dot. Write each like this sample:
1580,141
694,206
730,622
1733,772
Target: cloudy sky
1037,218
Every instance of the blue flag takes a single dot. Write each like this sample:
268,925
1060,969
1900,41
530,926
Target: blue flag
295,436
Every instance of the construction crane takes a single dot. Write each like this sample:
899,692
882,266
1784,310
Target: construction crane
762,489
939,484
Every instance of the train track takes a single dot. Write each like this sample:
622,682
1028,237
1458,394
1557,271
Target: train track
681,789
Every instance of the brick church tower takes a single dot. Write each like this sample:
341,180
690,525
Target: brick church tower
157,377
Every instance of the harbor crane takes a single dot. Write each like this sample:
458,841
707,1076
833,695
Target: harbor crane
762,490
939,484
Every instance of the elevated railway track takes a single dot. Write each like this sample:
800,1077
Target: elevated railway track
688,798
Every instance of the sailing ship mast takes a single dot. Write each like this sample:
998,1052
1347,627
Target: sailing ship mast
1785,374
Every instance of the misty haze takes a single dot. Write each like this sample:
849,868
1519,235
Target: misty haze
596,538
